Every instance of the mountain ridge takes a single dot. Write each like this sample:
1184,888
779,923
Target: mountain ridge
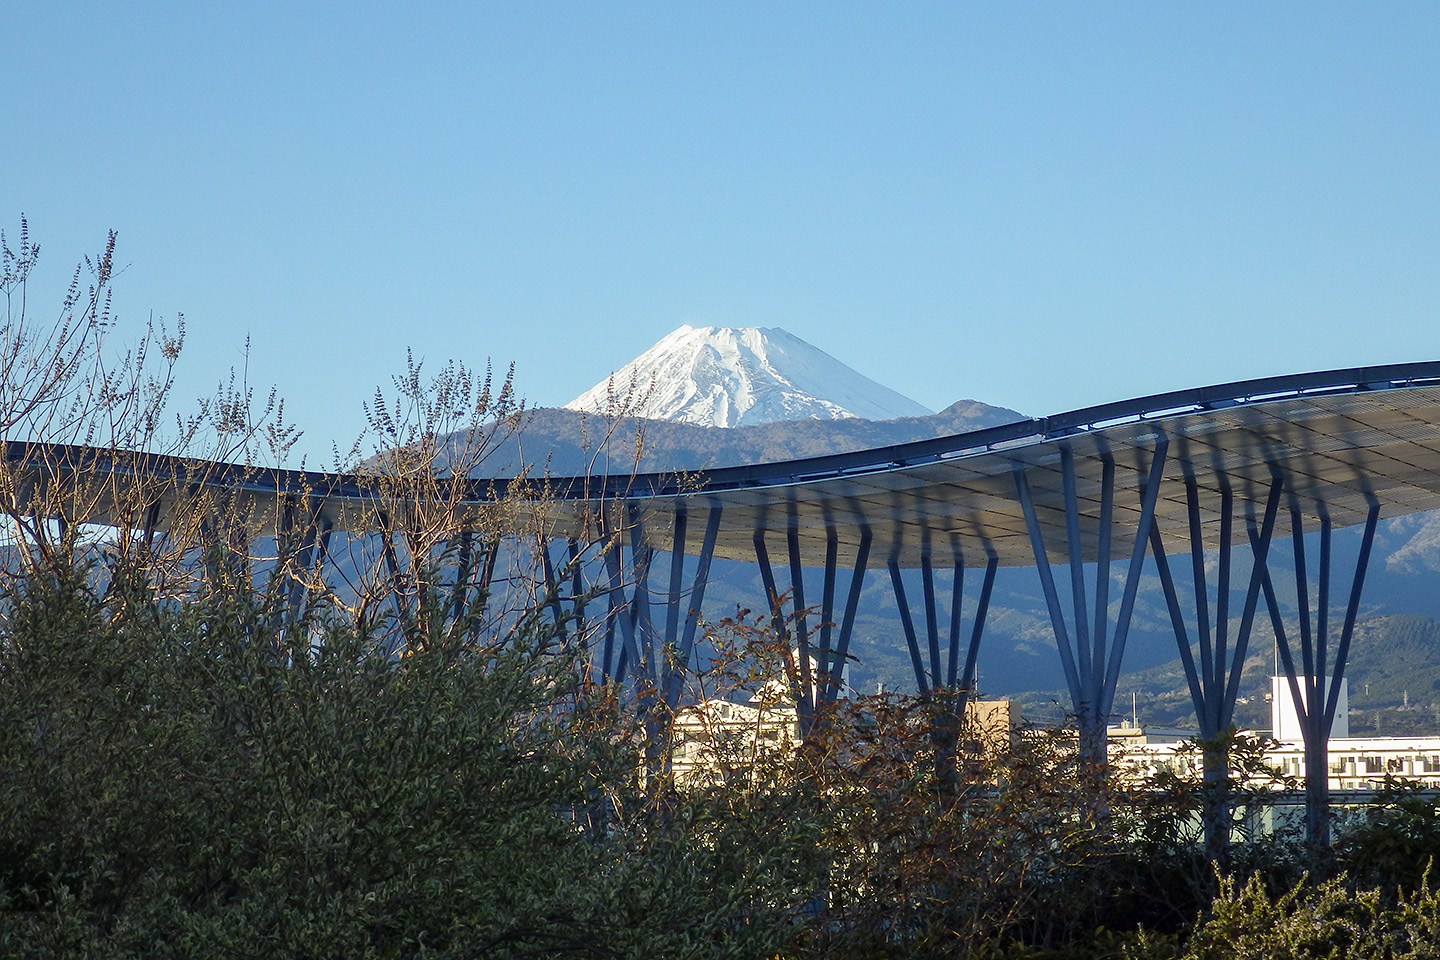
562,442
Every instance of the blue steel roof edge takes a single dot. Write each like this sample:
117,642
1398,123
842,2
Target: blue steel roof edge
288,482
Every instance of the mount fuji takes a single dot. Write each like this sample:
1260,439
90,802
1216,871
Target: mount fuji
741,376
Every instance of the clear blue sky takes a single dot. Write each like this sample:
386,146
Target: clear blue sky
1036,205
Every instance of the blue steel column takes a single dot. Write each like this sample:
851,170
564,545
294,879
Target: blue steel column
1219,661
152,520
803,697
697,598
392,566
1177,623
836,670
280,619
932,619
610,570
1202,609
1322,605
641,554
907,623
672,601
680,627
977,629
1047,586
1085,706
618,612
577,592
492,553
1315,695
1149,496
827,609
318,566
309,562
552,590
1352,611
491,550
1092,667
957,595
569,623
943,673
767,577
805,702
1099,667
1215,682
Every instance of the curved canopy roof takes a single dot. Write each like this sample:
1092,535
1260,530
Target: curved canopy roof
1338,440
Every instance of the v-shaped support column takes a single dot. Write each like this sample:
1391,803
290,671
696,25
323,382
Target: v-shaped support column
660,666
943,670
1092,662
819,668
1215,681
833,660
1316,691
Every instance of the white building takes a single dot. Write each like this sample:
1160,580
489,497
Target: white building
717,739
1354,763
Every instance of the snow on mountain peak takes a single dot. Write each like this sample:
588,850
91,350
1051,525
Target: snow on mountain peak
737,376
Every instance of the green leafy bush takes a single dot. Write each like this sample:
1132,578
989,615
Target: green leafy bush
181,782
1329,919
1395,841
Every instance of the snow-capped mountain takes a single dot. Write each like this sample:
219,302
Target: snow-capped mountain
740,376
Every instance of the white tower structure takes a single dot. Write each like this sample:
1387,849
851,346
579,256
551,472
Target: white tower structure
1285,722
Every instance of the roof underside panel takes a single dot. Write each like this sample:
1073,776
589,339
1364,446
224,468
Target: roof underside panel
1332,455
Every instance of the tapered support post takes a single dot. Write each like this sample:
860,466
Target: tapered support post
618,662
315,537
799,672
672,599
767,577
967,678
907,624
577,586
1214,681
1092,663
827,610
553,599
932,619
641,554
935,672
835,671
936,676
702,578
681,627
1316,695
805,699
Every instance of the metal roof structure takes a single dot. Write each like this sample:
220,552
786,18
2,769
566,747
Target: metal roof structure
1340,440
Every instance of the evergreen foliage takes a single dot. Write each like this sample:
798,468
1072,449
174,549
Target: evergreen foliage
180,782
